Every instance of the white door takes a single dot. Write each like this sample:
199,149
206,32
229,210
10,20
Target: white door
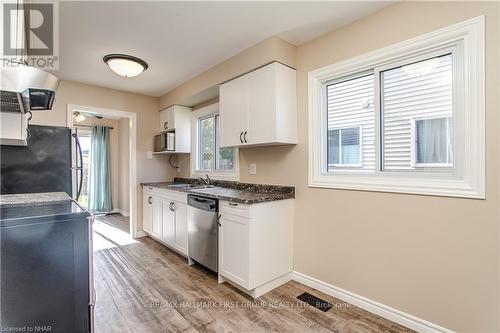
168,221
181,227
234,236
261,105
233,112
156,229
147,212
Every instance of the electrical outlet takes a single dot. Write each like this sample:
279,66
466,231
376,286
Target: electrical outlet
150,155
253,168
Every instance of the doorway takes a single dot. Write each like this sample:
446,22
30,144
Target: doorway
122,162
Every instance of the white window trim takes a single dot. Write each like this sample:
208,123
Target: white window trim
414,162
468,176
234,175
360,140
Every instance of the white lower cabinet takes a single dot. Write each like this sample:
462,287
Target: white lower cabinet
168,221
157,229
165,217
181,227
147,211
234,238
256,245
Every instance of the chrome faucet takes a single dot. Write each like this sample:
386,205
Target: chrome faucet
205,181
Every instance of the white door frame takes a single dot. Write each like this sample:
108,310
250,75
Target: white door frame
132,154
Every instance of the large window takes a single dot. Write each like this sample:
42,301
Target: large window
209,157
407,118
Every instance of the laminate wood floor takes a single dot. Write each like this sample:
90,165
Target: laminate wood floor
142,286
116,220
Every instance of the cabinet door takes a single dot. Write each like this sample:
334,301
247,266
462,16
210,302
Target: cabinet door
163,120
168,221
181,229
233,112
156,229
167,119
261,105
171,117
234,236
147,212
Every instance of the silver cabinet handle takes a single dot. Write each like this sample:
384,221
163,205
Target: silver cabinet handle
245,137
150,200
165,125
233,204
172,208
241,140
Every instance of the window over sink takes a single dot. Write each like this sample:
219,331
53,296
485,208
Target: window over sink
207,157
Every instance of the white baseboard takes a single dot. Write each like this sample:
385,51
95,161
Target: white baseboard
140,234
379,309
121,212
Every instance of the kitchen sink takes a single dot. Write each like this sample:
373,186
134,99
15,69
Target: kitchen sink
190,186
202,187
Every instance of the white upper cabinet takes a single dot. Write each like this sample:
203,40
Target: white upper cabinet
233,111
259,108
177,119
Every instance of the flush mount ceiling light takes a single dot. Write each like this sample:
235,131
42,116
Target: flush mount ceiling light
125,65
78,116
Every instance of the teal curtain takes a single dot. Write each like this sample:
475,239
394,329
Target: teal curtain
99,188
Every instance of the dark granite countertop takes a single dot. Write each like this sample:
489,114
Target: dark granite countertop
230,191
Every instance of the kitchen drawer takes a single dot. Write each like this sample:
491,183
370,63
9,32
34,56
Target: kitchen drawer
168,194
234,208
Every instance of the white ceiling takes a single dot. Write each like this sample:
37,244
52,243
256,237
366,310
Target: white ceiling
180,40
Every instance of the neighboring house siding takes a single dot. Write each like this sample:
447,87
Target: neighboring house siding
350,104
407,97
407,94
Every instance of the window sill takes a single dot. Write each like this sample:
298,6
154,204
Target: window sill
450,187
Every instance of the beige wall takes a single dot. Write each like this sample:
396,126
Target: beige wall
148,119
435,258
113,153
124,161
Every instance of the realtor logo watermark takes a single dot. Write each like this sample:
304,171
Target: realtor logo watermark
30,34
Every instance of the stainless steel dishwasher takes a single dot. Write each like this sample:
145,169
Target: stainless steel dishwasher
203,230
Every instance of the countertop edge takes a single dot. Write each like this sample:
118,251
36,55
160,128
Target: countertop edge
282,196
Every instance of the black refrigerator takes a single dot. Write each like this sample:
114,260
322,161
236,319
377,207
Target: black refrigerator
45,248
44,165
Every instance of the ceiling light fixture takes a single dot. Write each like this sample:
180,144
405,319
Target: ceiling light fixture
79,117
125,65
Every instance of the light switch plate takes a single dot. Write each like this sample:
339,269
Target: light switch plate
150,155
253,168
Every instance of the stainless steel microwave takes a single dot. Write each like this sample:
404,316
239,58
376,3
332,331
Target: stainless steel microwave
165,142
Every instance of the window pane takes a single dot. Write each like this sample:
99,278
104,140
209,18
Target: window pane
349,106
333,147
350,145
416,91
432,141
224,155
206,144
